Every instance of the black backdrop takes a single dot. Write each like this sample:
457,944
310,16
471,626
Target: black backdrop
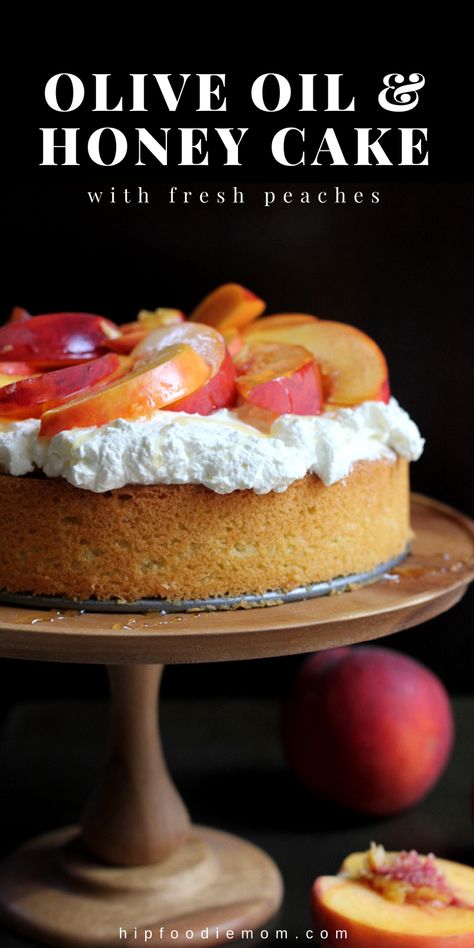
400,269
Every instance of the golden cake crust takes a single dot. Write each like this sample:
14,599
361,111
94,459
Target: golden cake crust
185,541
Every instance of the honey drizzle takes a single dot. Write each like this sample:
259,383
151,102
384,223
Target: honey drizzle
418,565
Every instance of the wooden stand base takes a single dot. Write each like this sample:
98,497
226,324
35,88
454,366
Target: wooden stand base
53,891
137,871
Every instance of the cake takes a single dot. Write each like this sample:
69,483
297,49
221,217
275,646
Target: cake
224,455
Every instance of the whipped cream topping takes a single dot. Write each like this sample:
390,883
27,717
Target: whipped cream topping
217,450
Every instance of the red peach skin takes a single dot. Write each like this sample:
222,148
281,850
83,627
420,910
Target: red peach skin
218,392
368,728
353,367
176,372
32,397
22,369
56,339
279,378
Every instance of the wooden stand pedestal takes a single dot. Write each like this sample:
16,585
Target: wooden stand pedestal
137,862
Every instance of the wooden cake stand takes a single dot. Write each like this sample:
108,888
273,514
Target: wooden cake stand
136,860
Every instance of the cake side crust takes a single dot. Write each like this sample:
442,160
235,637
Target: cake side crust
185,541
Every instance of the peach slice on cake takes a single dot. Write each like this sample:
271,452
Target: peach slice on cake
401,899
279,378
127,340
283,321
18,315
23,369
13,371
204,339
132,333
162,316
219,391
233,339
32,397
229,305
56,339
175,372
353,367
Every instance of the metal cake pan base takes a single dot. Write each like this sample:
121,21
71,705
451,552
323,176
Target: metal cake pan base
164,606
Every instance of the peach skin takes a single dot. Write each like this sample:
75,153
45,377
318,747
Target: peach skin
32,397
368,728
176,372
207,341
218,392
133,333
280,378
353,367
56,339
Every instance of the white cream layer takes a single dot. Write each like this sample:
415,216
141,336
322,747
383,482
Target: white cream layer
218,451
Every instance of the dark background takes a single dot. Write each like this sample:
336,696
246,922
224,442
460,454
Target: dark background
400,270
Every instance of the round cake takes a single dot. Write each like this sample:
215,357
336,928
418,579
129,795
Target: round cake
187,542
217,457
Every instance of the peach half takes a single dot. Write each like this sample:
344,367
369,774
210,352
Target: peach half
404,901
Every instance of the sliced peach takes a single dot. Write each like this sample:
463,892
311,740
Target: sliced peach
353,367
175,372
384,393
14,371
160,317
124,343
18,315
32,397
132,333
8,379
56,339
19,369
126,328
284,320
281,378
218,392
343,903
233,339
208,342
228,305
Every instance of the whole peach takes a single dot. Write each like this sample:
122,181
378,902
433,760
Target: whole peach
368,728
